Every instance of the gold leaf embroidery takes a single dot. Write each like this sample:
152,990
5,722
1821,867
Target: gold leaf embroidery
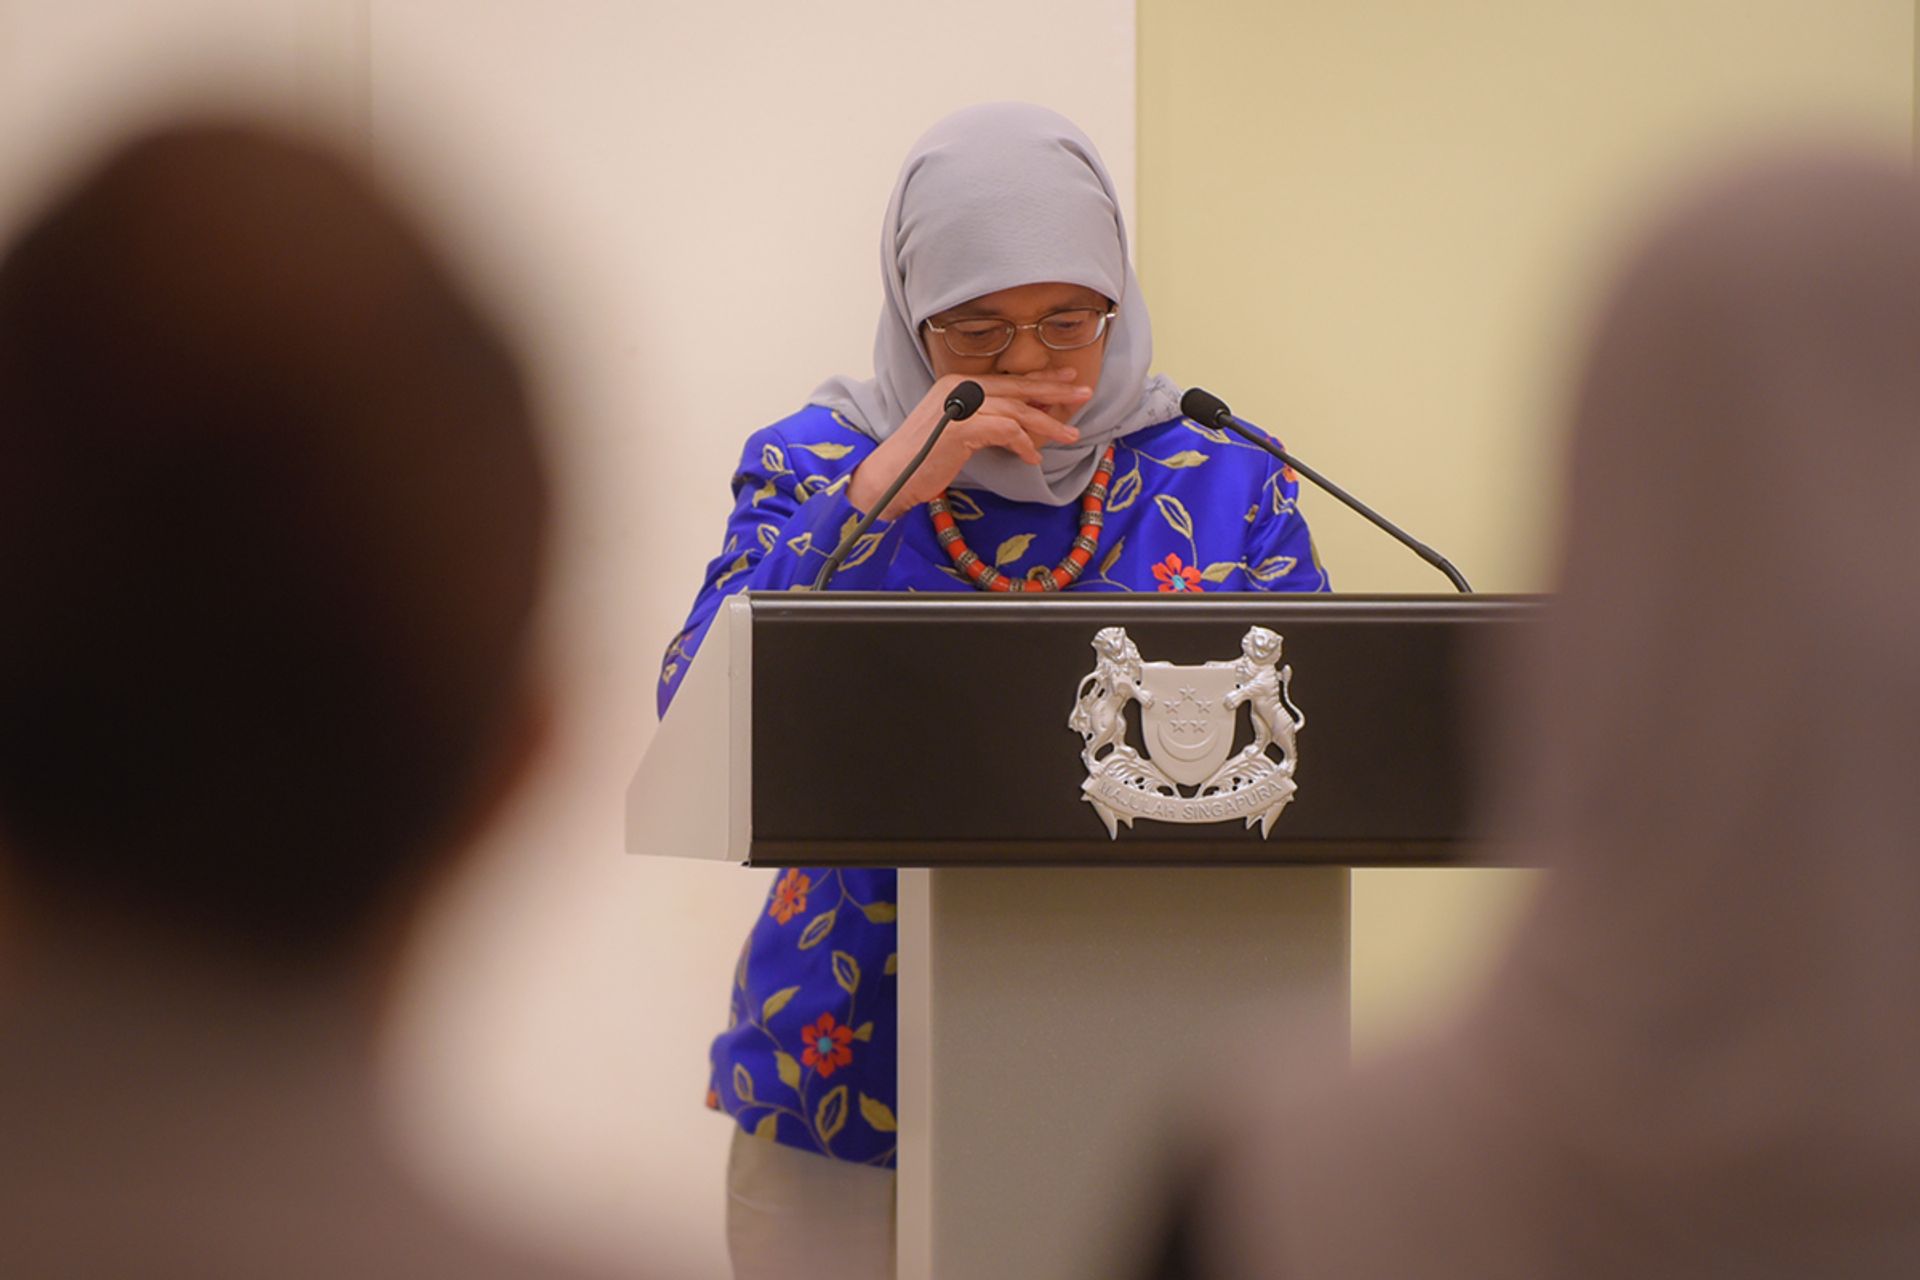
739,567
1185,459
828,451
1214,434
789,1069
742,1083
1219,570
1125,489
1273,567
863,549
777,1001
768,534
1112,558
878,1114
817,929
764,492
831,1115
769,1127
1012,549
846,972
1175,512
772,461
893,963
802,544
963,505
668,672
880,912
865,1033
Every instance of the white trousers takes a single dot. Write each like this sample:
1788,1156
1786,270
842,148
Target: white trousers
793,1213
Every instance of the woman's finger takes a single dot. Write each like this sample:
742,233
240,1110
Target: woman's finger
1031,389
1005,433
1042,377
1039,424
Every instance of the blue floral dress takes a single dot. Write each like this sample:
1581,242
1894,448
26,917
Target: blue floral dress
808,1056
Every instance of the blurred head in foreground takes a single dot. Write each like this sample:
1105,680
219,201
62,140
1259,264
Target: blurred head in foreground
271,516
1699,1057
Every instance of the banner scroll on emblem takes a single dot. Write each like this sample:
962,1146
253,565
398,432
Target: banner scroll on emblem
1189,771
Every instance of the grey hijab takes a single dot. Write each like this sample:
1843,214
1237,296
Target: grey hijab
990,198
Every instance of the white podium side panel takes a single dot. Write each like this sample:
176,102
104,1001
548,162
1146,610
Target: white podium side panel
692,795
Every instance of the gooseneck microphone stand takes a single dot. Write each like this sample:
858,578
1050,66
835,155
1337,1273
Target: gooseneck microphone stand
960,406
1205,407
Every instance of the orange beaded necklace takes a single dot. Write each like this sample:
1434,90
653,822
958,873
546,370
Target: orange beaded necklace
987,578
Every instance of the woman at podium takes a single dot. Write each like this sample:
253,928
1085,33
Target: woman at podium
1004,262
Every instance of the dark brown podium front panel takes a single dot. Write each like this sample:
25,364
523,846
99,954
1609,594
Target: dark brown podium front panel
907,730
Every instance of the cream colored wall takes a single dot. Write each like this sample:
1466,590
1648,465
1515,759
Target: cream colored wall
1376,227
679,204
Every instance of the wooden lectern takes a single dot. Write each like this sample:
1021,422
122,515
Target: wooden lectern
1053,977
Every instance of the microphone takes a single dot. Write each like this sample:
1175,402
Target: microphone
965,399
1205,407
961,405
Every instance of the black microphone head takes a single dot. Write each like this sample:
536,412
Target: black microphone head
965,399
1204,406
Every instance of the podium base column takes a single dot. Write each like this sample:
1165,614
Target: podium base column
1044,1013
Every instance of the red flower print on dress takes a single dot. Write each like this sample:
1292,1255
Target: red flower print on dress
790,895
829,1046
1173,576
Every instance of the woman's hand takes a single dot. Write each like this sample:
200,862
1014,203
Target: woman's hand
1009,418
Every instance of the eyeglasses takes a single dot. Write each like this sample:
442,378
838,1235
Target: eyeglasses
1068,330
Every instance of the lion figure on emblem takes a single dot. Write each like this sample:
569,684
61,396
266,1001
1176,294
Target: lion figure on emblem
1263,684
1099,712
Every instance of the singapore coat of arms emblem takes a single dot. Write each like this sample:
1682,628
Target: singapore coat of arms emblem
1189,771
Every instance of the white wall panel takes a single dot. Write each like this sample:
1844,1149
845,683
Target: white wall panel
75,73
